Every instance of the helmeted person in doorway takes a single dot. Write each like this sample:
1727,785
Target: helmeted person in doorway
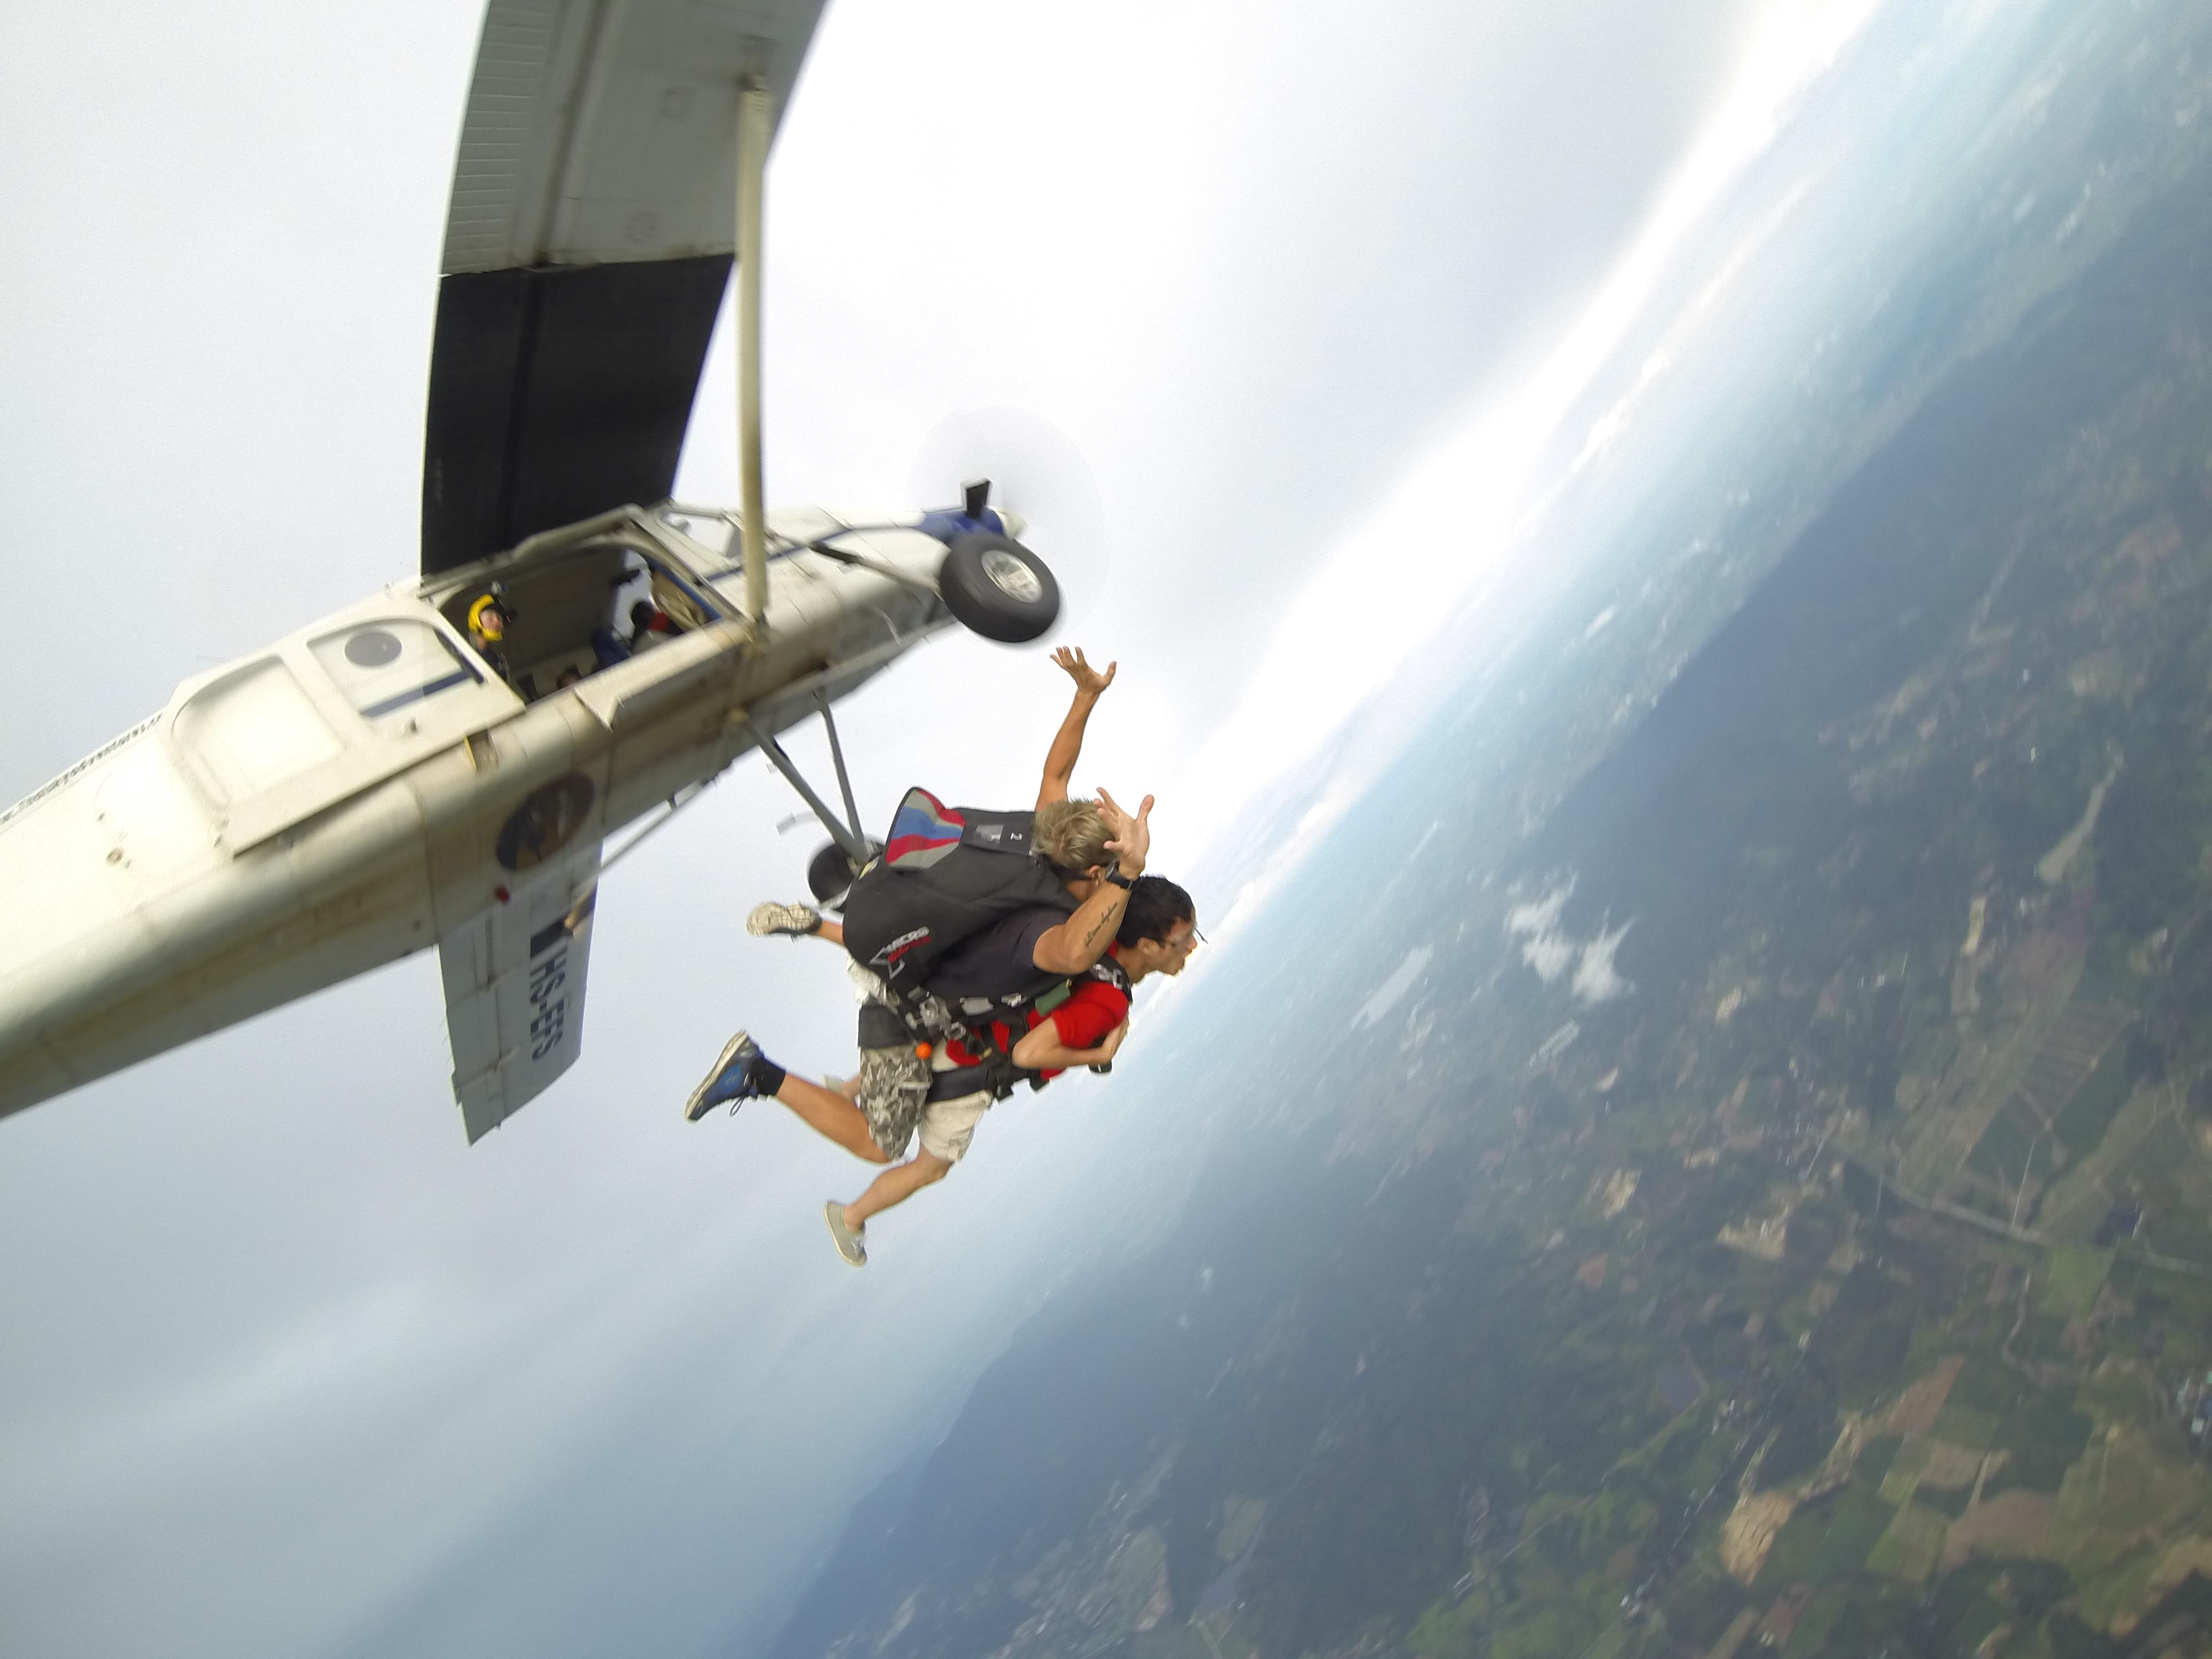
979,962
489,621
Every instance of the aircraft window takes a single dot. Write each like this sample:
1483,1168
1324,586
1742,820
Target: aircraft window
385,666
373,647
251,730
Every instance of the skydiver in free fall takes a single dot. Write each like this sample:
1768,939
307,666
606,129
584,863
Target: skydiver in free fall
1124,927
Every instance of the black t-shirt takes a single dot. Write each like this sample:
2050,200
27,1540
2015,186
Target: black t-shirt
1000,960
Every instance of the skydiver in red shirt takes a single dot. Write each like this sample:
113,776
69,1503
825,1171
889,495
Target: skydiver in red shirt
1155,931
1158,933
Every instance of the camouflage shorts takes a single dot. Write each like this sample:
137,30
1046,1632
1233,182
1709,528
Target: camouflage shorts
893,1093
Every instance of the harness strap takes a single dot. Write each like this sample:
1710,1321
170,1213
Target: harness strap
931,1018
998,1074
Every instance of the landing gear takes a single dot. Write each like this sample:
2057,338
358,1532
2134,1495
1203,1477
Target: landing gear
999,588
831,873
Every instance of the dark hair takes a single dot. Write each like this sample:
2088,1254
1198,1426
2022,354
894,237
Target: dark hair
1156,904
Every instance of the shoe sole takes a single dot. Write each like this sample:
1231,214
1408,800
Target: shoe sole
698,1106
838,1236
791,920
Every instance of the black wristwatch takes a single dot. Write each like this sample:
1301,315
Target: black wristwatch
1115,875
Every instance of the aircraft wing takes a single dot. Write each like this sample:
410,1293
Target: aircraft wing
515,991
588,246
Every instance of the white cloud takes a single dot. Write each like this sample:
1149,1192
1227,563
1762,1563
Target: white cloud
1596,978
1541,915
1548,954
1549,950
1392,991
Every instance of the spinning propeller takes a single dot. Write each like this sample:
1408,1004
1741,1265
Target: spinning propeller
1032,472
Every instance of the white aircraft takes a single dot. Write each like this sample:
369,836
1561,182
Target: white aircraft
396,775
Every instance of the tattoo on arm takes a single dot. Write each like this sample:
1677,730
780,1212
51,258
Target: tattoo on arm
1111,913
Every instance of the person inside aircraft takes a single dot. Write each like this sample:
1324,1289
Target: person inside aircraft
609,648
488,621
649,625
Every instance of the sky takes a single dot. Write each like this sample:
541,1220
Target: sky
295,1370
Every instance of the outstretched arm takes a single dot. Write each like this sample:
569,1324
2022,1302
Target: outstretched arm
1067,743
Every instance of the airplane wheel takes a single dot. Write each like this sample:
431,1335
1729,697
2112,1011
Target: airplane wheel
999,588
830,874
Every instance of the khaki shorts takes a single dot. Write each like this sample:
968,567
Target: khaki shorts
894,1094
947,1126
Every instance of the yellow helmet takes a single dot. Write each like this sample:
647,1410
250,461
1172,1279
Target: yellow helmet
488,619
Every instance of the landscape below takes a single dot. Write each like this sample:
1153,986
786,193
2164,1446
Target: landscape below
1767,1205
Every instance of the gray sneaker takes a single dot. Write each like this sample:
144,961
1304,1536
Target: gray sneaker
847,1239
790,920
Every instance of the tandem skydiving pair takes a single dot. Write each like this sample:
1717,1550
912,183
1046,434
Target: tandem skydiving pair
990,948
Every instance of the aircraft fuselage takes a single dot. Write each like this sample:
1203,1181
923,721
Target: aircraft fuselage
373,785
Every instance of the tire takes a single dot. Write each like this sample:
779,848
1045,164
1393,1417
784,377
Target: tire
999,588
830,875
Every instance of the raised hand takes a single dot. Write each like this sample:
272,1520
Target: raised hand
1132,840
1088,680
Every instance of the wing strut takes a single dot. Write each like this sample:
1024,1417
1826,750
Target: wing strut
846,836
837,759
754,125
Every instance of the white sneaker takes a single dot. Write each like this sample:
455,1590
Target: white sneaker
791,920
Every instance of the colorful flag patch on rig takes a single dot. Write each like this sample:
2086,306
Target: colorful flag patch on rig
923,830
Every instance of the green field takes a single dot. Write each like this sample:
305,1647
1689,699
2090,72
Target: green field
2072,1278
2041,1438
1909,1549
2081,1122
